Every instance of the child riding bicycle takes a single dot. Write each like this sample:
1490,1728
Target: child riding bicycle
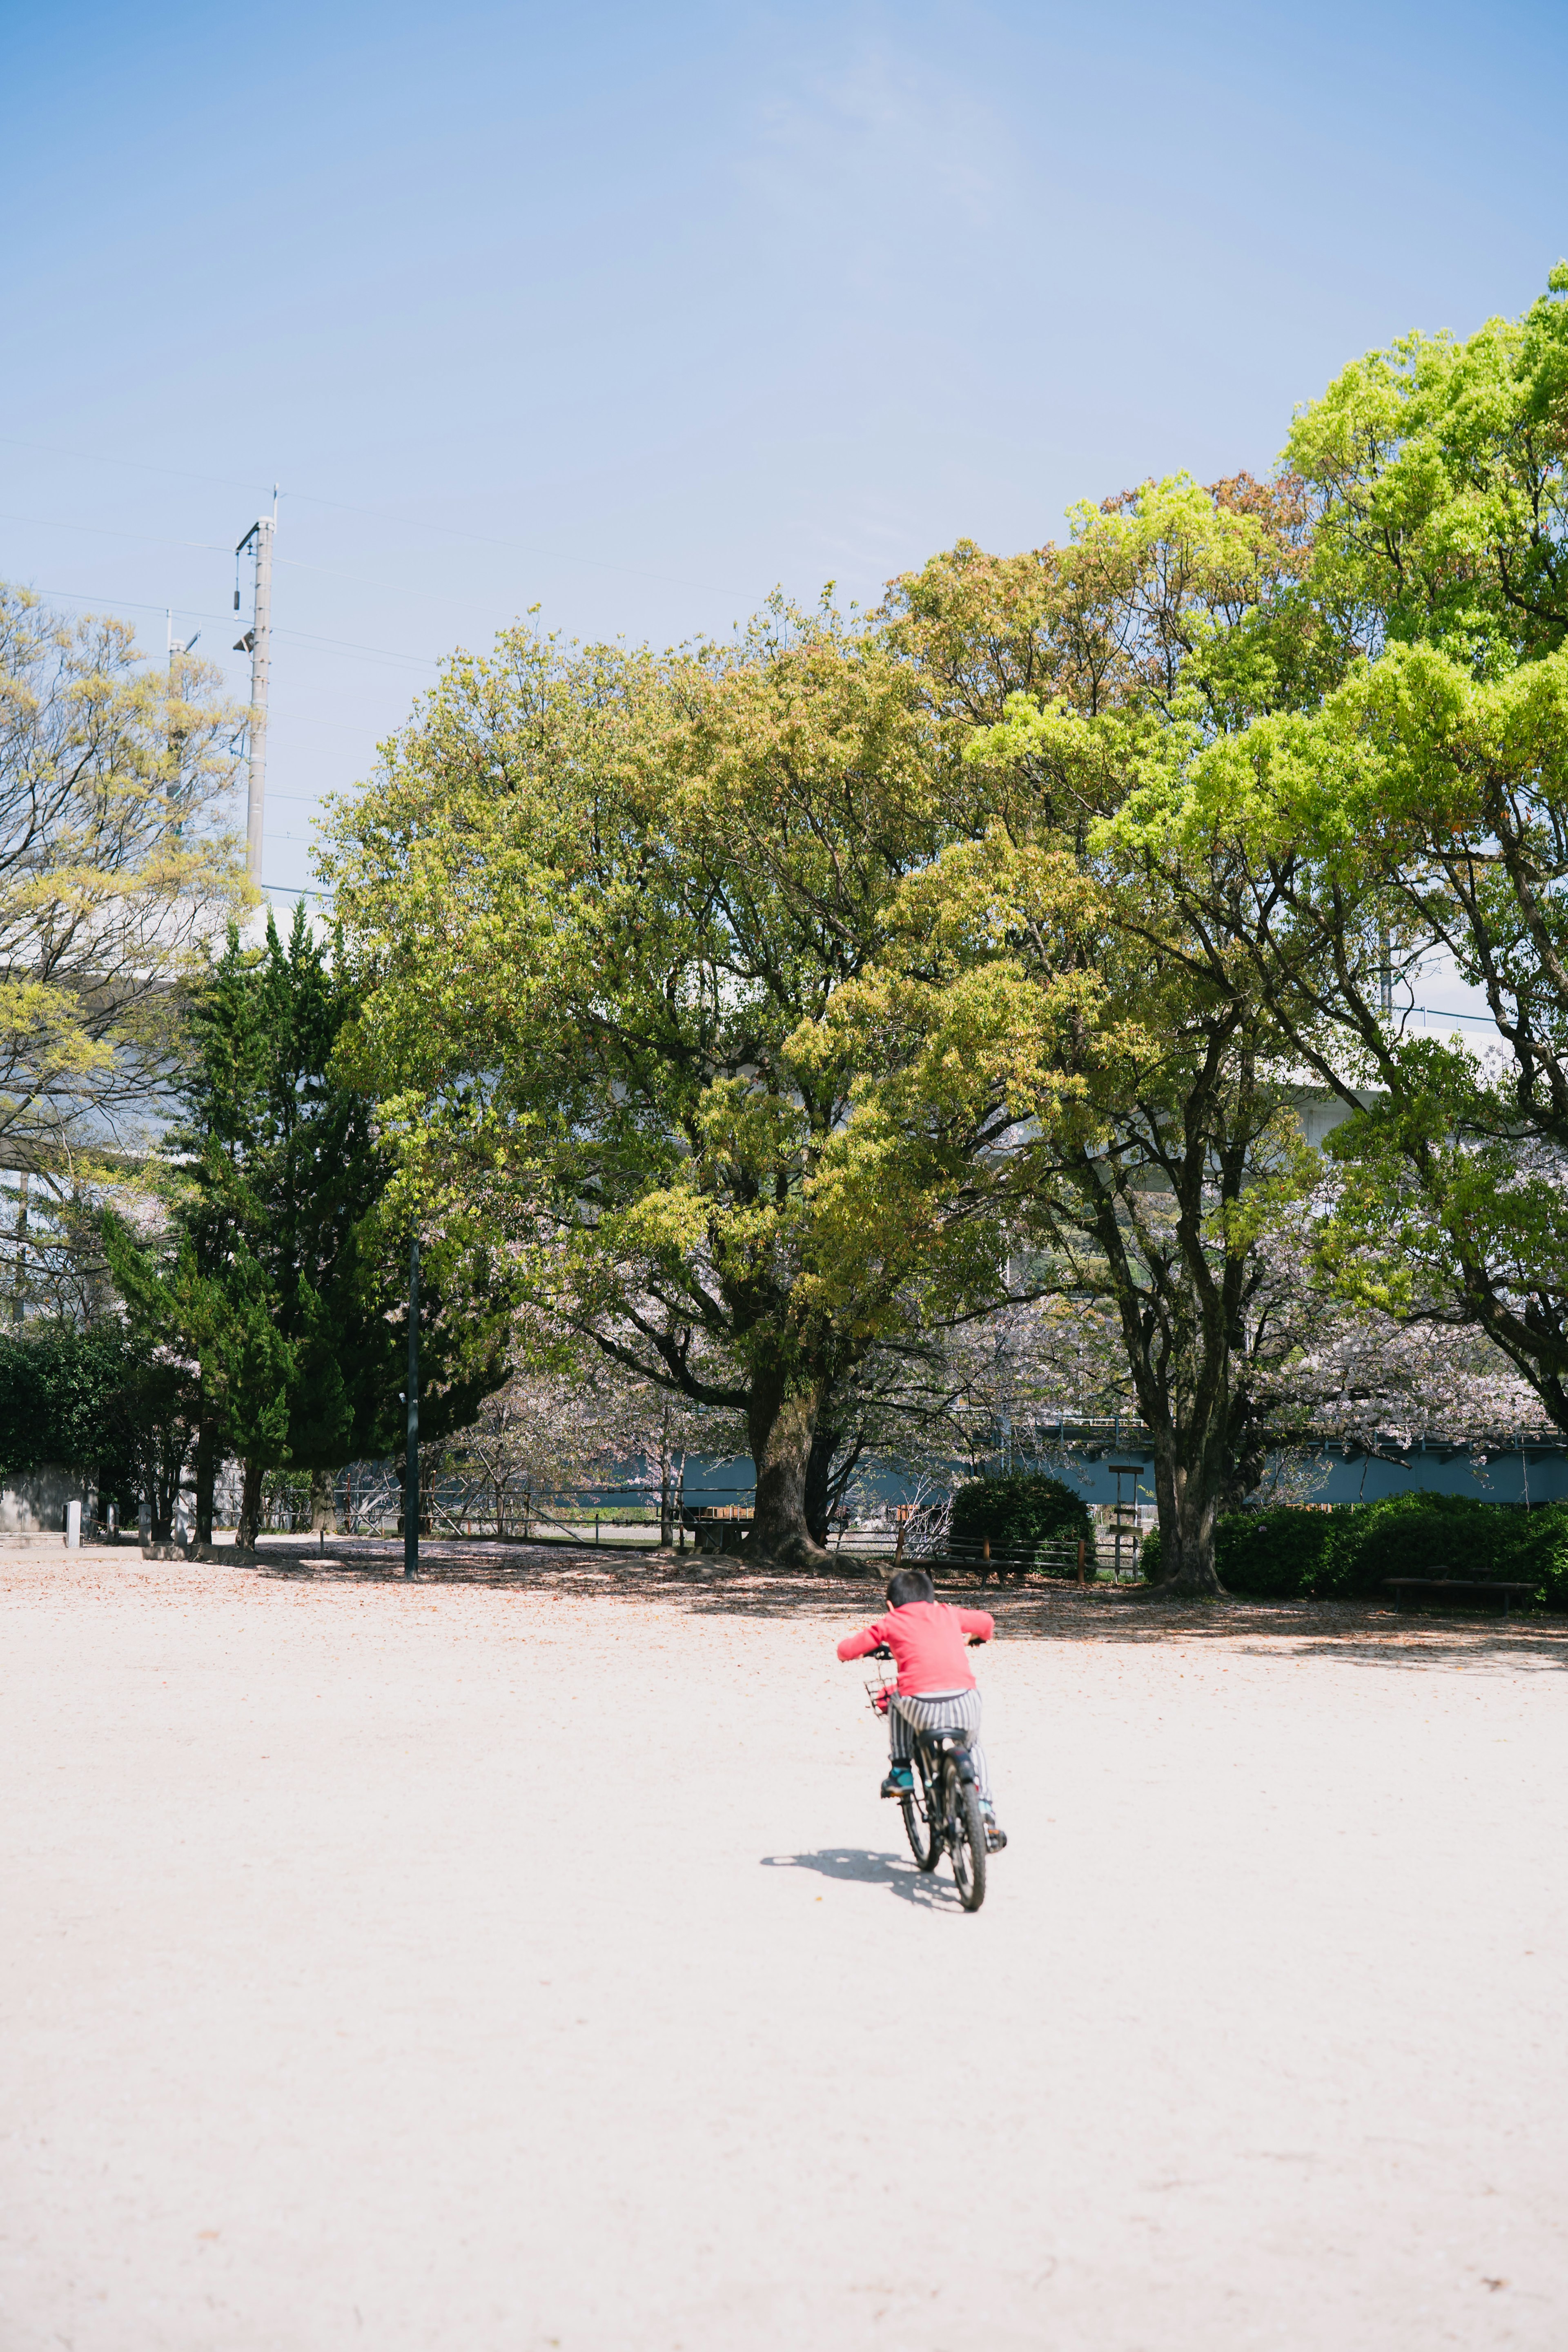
936,1690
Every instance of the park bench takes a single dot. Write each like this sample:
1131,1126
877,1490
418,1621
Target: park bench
1438,1589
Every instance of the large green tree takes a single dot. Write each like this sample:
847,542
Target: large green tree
1053,981
116,861
1420,809
599,900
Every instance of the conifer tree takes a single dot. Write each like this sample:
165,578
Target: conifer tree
278,1281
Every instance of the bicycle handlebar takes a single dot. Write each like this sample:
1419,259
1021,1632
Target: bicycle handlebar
972,1641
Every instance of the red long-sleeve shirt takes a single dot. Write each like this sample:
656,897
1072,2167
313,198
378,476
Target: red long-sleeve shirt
927,1640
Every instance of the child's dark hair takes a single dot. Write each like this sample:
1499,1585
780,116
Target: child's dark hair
909,1584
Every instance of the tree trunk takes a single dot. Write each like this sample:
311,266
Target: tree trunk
19,1283
250,1506
164,1496
666,1504
323,1503
206,1473
781,1423
818,1497
1188,1498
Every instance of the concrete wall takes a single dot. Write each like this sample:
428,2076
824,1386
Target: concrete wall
34,1503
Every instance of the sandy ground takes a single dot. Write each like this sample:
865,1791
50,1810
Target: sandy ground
524,1960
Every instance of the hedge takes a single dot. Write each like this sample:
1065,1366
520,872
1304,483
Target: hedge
1019,1514
60,1390
1344,1553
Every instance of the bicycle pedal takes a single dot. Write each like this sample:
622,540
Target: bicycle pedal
994,1841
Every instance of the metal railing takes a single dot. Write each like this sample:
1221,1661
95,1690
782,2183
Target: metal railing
367,1499
1010,1563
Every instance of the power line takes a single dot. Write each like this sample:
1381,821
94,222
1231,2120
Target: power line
130,605
426,661
195,613
135,465
1445,1012
103,530
204,546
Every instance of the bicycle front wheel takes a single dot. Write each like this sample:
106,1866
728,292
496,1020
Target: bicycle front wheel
920,1828
967,1838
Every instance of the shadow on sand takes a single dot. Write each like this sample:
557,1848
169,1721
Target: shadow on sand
857,1865
1360,1633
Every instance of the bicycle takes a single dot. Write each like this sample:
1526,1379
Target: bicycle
942,1813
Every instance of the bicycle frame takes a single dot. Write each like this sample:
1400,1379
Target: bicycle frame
935,1793
935,1752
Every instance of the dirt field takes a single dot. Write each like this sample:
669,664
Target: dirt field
523,1959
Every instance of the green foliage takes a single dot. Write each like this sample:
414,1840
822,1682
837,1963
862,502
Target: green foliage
1419,807
1275,1555
1050,972
608,900
1438,469
286,1501
103,1402
277,1285
280,1174
116,857
61,1391
1020,1513
1291,1554
762,1004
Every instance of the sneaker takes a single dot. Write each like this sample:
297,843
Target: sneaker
900,1782
995,1838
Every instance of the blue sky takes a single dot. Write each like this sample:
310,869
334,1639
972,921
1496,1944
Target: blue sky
631,313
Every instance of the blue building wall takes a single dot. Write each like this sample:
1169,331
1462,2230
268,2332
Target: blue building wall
1537,1473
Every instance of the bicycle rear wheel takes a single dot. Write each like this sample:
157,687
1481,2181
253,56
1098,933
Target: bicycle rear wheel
966,1838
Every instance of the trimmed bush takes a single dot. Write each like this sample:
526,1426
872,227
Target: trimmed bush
1020,1513
63,1395
1344,1554
1278,1555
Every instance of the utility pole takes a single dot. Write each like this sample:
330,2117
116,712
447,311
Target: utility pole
177,651
411,1466
257,643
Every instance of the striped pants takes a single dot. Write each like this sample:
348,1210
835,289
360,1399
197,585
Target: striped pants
939,1711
